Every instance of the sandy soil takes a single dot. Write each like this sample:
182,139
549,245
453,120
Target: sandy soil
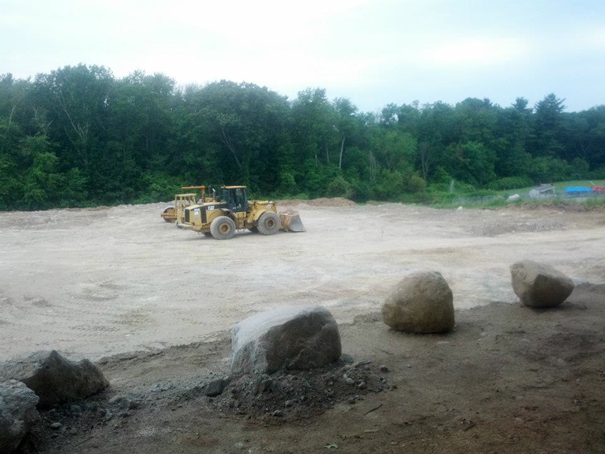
103,281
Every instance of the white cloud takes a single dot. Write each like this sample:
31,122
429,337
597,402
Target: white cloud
376,50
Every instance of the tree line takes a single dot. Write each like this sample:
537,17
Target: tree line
79,136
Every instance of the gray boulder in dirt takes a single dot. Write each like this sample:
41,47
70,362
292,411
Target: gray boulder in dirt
55,379
420,303
288,338
216,387
539,285
17,413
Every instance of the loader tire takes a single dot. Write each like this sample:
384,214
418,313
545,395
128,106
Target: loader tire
222,228
268,223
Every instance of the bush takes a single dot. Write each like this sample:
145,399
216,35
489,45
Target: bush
549,169
390,186
510,183
598,174
361,192
416,184
579,168
158,187
339,187
441,176
287,183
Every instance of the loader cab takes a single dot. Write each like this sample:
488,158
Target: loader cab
235,197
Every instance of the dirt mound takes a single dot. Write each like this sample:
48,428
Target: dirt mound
321,202
292,395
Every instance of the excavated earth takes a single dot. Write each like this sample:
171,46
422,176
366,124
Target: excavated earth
509,379
153,305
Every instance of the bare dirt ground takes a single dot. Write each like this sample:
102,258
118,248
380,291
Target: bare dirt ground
95,282
508,380
153,306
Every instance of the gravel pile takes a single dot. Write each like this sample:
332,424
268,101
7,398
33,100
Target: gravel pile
288,395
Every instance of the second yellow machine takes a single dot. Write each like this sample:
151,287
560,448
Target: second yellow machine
230,210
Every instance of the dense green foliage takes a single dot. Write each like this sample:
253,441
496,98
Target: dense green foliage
80,136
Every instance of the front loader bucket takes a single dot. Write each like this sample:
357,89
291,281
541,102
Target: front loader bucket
290,222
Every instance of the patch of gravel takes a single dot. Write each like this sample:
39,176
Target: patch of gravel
288,395
495,228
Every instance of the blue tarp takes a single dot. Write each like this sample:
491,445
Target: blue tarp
577,189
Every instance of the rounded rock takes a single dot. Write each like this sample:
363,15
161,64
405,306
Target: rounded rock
539,285
420,303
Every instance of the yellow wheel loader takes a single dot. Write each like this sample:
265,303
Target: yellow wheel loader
176,210
230,210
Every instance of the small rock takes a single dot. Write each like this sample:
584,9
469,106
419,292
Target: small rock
133,404
278,413
348,380
384,368
288,403
361,385
93,406
346,358
108,415
217,387
306,384
56,425
76,409
122,402
239,446
264,385
73,431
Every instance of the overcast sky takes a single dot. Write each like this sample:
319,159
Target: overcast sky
371,51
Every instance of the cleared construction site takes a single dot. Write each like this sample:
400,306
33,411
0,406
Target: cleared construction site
153,307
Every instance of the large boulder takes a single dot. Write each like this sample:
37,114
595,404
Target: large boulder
539,285
55,379
289,338
420,303
17,413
